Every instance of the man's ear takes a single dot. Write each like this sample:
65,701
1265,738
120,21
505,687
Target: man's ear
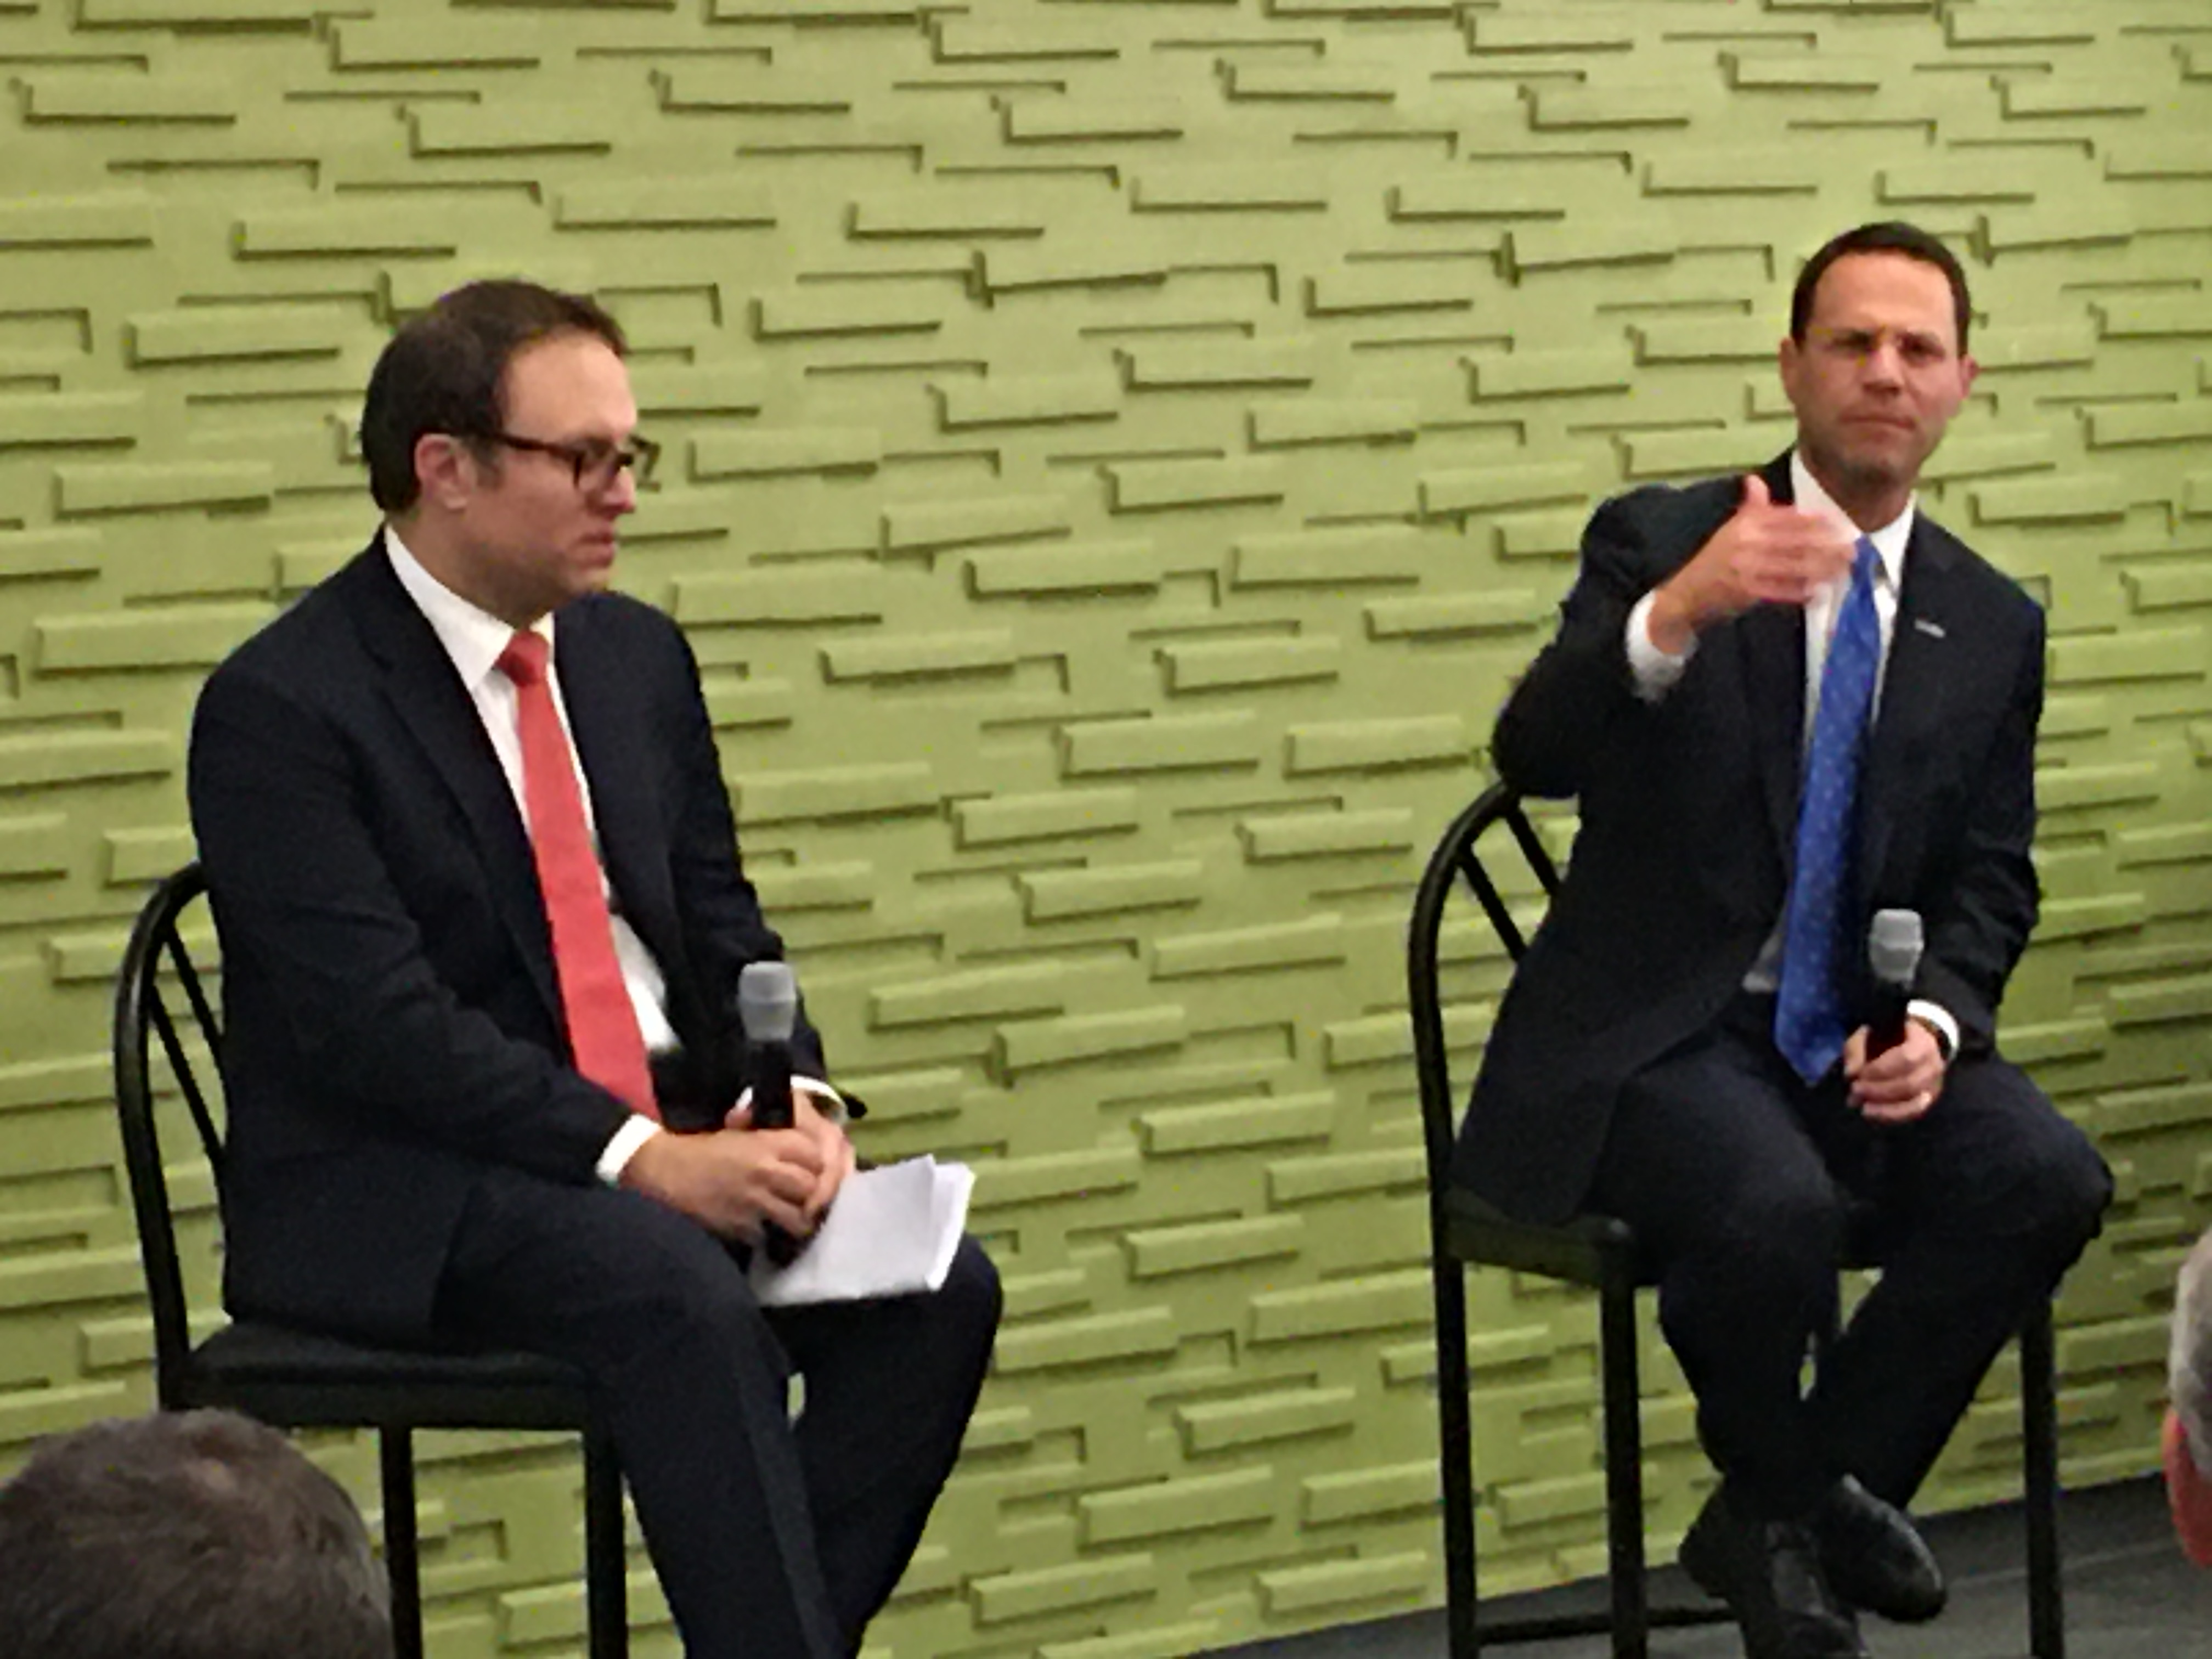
445,471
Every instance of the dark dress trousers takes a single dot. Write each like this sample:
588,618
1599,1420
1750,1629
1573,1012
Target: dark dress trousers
412,1157
1629,1069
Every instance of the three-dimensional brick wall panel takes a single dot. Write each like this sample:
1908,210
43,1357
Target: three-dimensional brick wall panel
1118,452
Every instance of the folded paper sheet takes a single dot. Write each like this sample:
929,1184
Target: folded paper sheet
892,1232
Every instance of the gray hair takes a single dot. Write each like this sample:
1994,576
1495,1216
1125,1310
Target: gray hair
2189,1368
185,1535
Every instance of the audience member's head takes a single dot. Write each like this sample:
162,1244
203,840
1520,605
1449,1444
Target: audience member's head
190,1536
2189,1423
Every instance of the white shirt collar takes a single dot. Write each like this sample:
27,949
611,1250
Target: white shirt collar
472,637
1889,540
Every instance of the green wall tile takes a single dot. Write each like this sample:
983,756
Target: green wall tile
1263,1419
1331,1584
1135,1335
93,488
1111,890
1017,1594
1171,1506
1154,1252
1090,1036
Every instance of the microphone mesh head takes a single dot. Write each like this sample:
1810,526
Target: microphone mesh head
768,1001
1894,946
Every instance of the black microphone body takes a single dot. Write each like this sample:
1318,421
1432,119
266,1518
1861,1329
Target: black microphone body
1885,1023
1893,947
767,1009
767,1067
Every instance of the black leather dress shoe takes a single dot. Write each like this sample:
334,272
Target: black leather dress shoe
1769,1573
1874,1558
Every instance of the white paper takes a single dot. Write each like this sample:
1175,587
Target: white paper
890,1231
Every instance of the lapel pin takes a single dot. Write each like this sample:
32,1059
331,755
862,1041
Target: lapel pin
1933,630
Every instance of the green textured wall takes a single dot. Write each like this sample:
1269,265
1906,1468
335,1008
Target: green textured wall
1118,453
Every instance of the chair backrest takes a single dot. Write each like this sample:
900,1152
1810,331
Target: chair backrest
160,992
1459,858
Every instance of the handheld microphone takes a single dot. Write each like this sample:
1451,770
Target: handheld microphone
1893,947
767,1009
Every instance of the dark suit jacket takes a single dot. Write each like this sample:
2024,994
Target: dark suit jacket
393,1024
1688,815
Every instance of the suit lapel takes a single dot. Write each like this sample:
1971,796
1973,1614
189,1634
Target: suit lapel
608,716
1773,643
1772,638
423,689
1912,695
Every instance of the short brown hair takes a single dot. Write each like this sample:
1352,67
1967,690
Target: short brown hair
1886,236
442,372
185,1535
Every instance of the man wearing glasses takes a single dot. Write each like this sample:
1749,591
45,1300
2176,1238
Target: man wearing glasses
483,918
1786,703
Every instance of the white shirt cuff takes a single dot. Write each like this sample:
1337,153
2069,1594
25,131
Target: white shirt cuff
827,1100
1654,671
623,1146
1936,1014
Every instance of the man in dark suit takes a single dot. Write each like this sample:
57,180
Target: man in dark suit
1785,702
475,877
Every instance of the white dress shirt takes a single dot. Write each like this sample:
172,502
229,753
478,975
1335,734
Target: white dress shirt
1655,671
474,639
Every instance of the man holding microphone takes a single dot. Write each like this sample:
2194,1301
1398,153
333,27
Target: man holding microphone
1785,702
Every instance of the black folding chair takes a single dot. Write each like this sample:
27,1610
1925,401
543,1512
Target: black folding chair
1599,1252
301,1380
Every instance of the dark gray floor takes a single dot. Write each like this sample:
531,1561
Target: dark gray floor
2129,1594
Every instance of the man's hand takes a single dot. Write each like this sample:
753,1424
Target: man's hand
1763,555
1899,1083
731,1182
828,1138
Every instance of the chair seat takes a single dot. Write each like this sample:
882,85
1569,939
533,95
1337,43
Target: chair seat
305,1379
1584,1249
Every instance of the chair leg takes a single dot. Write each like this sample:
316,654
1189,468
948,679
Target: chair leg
605,1566
1455,1450
2038,1406
395,1452
1624,1468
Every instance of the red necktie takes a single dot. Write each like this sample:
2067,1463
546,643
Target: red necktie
603,1031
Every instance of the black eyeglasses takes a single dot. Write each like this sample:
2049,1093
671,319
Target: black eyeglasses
593,464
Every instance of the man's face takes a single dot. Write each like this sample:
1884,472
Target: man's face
533,535
1879,373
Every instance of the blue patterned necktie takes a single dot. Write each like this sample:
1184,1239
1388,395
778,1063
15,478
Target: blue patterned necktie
1809,1009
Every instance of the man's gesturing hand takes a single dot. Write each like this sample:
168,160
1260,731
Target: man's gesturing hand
1763,555
731,1180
